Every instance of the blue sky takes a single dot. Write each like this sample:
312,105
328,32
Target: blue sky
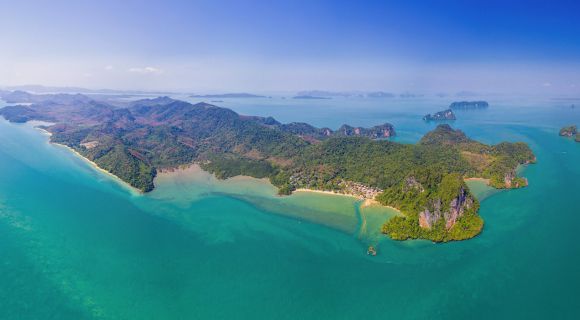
429,46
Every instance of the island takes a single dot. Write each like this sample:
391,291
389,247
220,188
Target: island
228,95
346,94
380,94
570,131
440,116
425,181
410,95
469,105
307,97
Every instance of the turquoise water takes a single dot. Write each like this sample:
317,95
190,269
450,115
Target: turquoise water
75,244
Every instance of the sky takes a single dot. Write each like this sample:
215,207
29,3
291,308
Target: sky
277,46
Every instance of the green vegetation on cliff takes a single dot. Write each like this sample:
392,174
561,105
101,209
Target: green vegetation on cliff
429,210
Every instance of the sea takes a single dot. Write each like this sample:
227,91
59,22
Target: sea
78,244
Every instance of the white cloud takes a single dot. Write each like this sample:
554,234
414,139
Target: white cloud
547,84
146,70
109,68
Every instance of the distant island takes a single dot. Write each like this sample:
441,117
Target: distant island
19,96
380,94
440,116
410,95
310,97
228,95
347,94
469,105
425,181
570,131
39,89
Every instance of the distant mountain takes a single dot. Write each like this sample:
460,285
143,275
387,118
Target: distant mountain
469,105
228,95
45,89
34,88
306,97
26,97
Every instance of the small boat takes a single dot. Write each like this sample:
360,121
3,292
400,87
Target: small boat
371,251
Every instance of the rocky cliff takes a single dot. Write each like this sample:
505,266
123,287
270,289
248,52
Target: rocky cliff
450,212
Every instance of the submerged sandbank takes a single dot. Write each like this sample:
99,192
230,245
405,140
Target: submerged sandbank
362,218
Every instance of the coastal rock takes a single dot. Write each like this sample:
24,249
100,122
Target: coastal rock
569,131
440,116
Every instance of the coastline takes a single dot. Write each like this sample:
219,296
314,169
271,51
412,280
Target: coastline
99,169
325,192
194,169
365,202
35,124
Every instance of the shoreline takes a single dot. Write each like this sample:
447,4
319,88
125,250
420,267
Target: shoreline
194,168
95,166
99,169
365,201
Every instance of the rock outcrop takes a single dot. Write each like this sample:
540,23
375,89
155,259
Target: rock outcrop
455,209
569,131
512,181
440,116
304,130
